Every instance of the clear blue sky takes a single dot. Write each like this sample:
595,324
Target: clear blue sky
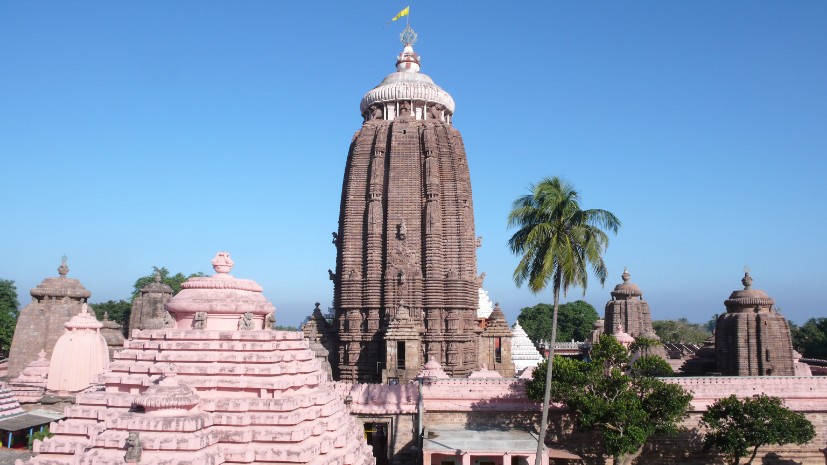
135,134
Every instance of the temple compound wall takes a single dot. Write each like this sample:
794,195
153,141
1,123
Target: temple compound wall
501,404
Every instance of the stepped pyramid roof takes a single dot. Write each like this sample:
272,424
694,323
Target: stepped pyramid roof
211,396
523,352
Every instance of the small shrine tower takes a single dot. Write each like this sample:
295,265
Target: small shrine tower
148,307
751,338
54,302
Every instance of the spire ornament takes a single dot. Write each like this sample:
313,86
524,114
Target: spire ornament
63,269
747,279
408,36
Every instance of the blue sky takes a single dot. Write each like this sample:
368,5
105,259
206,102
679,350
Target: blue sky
135,134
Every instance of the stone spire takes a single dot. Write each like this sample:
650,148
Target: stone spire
321,337
148,307
751,338
80,354
40,324
406,230
628,308
495,343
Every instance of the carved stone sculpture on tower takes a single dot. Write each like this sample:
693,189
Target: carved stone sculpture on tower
54,302
148,307
751,338
406,231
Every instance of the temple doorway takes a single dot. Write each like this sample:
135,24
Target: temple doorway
376,434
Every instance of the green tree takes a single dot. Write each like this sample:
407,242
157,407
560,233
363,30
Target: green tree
608,395
574,320
811,338
680,331
117,310
557,242
9,311
734,426
174,281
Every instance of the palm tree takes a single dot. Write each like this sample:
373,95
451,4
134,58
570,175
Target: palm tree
557,242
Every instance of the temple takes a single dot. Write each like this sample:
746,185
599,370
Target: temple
406,235
220,387
148,306
751,338
54,302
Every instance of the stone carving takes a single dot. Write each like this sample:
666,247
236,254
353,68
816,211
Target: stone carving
335,238
405,108
331,274
376,112
133,448
270,320
222,263
199,321
169,321
435,112
246,321
402,231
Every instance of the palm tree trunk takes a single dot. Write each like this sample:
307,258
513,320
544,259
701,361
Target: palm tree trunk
547,394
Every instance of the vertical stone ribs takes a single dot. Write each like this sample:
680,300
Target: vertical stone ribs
406,238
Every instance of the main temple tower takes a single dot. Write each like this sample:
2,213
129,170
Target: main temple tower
406,242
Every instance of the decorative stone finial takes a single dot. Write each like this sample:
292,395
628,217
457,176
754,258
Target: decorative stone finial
41,355
157,276
222,263
626,276
63,269
408,36
747,279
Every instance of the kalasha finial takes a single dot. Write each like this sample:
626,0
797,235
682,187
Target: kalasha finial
63,269
157,276
626,276
408,36
222,263
747,279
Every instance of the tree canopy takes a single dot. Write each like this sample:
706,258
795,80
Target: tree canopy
9,311
117,310
735,426
574,321
615,397
811,338
558,243
680,331
174,281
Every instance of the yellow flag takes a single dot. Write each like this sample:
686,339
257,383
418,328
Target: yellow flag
401,13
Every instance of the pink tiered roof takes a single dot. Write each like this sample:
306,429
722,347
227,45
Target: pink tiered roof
211,396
